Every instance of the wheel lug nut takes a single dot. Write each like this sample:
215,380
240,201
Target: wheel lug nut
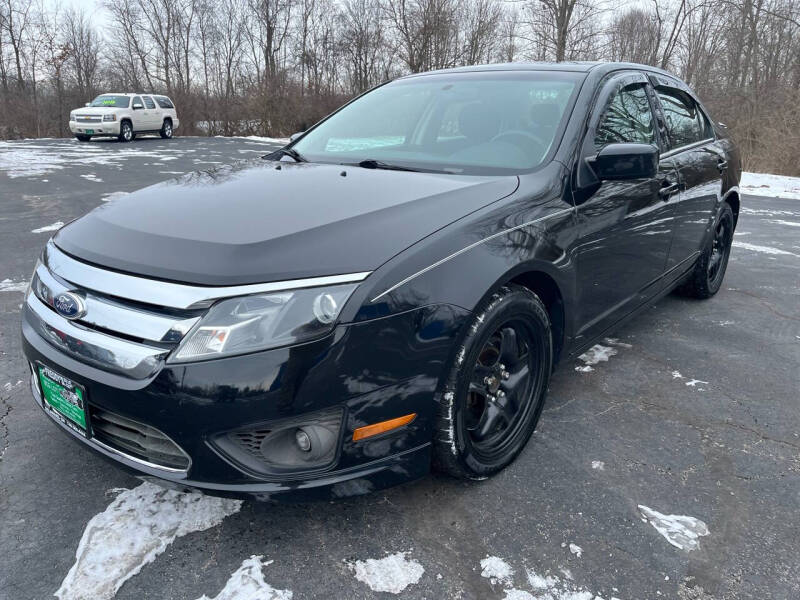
501,394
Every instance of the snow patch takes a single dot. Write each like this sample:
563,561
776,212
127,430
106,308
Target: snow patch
92,177
136,527
682,532
496,570
764,184
247,583
677,375
762,249
576,550
392,574
788,223
552,587
10,386
598,465
53,227
594,355
13,286
694,382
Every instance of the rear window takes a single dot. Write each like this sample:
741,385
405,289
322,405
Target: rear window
111,101
164,102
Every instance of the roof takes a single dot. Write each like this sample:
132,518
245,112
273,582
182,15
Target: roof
571,66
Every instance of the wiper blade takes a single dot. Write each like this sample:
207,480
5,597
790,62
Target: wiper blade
291,152
371,163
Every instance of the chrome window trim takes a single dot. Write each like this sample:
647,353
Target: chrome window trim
679,149
165,293
470,247
132,360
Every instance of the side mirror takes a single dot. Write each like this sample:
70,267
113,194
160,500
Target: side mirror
294,136
625,161
88,104
137,106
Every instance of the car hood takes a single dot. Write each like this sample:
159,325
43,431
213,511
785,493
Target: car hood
264,221
97,110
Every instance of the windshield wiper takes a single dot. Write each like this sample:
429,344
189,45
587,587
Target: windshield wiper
291,152
371,163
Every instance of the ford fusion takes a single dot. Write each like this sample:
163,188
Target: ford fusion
390,291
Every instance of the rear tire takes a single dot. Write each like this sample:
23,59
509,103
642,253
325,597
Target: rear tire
706,278
125,132
495,389
83,138
166,129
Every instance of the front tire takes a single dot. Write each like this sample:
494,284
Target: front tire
125,132
166,129
495,389
709,271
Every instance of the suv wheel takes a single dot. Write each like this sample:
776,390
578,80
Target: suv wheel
166,129
495,389
125,131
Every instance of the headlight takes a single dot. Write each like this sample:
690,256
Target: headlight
72,116
109,117
250,323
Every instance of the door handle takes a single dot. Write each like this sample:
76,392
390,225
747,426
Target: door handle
667,189
722,165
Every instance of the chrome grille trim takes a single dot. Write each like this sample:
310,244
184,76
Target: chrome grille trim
107,314
164,293
136,361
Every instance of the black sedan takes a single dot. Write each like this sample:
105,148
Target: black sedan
391,290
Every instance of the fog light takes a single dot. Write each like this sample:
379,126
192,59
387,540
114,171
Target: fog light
308,442
303,441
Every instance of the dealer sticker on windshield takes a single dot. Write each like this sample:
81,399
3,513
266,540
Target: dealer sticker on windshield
63,398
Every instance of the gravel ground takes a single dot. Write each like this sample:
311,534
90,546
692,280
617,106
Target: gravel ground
695,413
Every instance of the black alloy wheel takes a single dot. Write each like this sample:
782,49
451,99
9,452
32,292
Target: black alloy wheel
720,251
495,391
705,279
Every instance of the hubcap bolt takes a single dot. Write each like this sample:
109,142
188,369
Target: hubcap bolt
501,394
505,374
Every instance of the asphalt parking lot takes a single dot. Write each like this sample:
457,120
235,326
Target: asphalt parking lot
695,413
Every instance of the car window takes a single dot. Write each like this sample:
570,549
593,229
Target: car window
148,102
164,102
110,101
686,123
469,123
627,118
136,100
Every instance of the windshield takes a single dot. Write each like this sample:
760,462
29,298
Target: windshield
110,101
471,123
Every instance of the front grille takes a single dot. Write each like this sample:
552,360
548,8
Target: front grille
137,439
89,119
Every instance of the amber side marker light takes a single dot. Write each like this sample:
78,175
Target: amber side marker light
382,427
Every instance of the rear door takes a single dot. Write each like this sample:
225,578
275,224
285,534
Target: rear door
626,226
700,161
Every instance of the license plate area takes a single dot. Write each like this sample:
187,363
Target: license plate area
90,131
63,399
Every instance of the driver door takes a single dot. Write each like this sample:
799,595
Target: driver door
625,225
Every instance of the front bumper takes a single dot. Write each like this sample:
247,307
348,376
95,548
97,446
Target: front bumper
374,371
102,128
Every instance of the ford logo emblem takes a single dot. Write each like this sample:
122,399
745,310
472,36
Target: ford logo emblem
69,305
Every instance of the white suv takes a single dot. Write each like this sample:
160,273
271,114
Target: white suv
123,116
